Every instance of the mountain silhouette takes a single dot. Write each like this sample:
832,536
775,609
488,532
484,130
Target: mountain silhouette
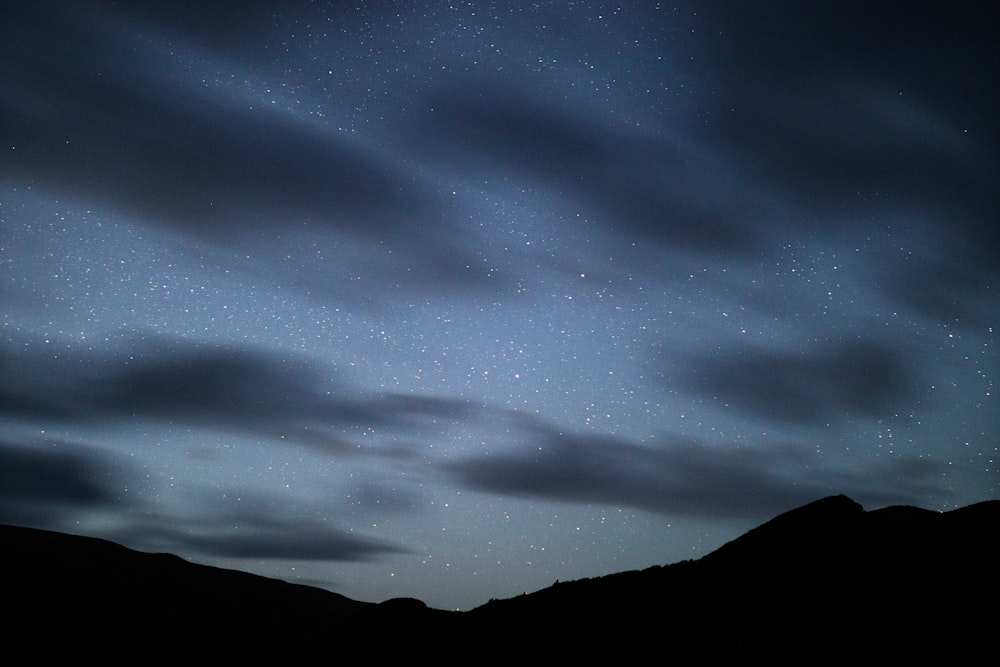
821,581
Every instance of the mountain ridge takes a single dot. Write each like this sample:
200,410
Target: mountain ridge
809,571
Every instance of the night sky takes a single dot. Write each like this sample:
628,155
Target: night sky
451,301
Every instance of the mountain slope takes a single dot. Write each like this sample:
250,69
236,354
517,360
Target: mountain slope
103,598
896,581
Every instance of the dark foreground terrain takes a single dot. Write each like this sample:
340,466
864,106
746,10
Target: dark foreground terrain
827,580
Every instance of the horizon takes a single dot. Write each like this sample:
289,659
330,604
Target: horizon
752,530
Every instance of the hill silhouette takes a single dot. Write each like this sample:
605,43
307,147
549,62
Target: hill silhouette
826,579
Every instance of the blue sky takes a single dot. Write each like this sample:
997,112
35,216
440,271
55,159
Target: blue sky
452,301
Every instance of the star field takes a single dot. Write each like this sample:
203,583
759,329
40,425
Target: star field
450,301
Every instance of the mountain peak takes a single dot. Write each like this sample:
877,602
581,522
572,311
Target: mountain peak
826,516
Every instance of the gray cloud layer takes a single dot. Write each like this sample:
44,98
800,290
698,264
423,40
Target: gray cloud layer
211,387
263,534
51,483
43,479
828,383
677,476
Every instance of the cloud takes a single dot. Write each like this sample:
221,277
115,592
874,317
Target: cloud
676,477
834,109
236,390
953,284
807,388
295,543
43,481
663,189
262,535
100,110
679,476
896,480
53,484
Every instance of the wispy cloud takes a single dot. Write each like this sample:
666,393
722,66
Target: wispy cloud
228,389
818,385
681,476
43,480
